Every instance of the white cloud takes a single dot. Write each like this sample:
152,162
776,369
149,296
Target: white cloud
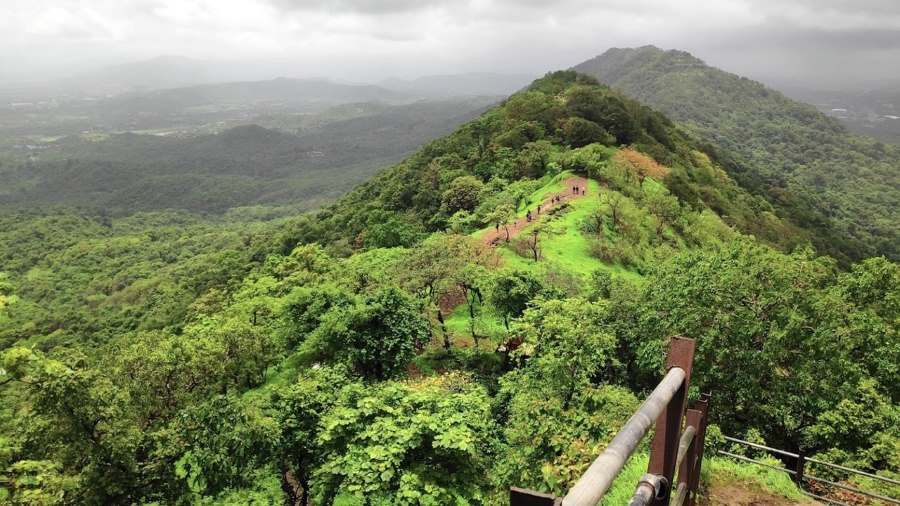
372,38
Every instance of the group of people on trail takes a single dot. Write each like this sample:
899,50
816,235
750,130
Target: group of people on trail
556,199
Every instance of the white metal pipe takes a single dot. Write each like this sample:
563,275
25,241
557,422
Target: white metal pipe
599,476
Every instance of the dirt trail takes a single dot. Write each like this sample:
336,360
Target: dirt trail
493,237
737,494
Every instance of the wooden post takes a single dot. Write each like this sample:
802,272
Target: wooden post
664,448
525,497
801,464
702,406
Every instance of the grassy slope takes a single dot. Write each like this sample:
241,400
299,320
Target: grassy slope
717,472
564,248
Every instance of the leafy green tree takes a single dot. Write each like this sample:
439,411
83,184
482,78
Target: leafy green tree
557,403
425,442
464,194
606,110
305,308
84,417
299,409
216,444
511,293
579,132
379,336
502,216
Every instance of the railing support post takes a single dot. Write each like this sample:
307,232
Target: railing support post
524,497
702,405
664,448
801,464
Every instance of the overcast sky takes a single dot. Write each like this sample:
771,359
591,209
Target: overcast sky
819,43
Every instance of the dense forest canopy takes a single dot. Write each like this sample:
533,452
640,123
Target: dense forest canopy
842,187
486,313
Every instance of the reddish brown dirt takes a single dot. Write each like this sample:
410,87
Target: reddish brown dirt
737,494
493,236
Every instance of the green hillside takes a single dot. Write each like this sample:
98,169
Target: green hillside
432,337
840,187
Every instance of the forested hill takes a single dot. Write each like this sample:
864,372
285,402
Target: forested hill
530,136
843,187
486,313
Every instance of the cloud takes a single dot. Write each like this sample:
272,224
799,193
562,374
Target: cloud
370,39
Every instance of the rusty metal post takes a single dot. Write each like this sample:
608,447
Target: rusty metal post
702,405
692,419
525,497
664,448
800,468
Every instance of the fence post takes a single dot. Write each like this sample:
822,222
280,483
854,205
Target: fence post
702,405
524,497
664,448
799,469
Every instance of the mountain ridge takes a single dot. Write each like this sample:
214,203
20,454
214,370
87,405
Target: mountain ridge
842,186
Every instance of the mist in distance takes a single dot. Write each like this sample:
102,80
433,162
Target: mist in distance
813,44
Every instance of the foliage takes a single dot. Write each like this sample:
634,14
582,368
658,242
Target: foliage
379,336
839,187
427,442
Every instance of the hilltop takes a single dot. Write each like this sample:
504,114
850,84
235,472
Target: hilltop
842,188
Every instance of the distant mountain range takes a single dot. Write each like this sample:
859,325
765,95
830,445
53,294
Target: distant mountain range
244,165
472,84
843,187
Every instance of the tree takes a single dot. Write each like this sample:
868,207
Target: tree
511,293
445,262
579,132
533,159
559,403
299,409
614,203
379,336
216,444
305,308
502,216
471,280
464,194
424,442
663,206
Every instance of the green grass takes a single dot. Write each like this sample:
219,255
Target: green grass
623,487
488,326
723,470
715,470
564,244
554,185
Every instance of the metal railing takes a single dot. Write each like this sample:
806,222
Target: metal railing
671,449
801,477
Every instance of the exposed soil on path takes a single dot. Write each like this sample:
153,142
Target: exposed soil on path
496,236
737,494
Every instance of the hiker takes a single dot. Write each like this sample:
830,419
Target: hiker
539,209
497,227
582,191
528,216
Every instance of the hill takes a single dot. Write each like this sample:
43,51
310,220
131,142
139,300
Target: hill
841,187
399,346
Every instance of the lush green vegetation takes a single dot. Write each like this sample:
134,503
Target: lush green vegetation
839,187
381,351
